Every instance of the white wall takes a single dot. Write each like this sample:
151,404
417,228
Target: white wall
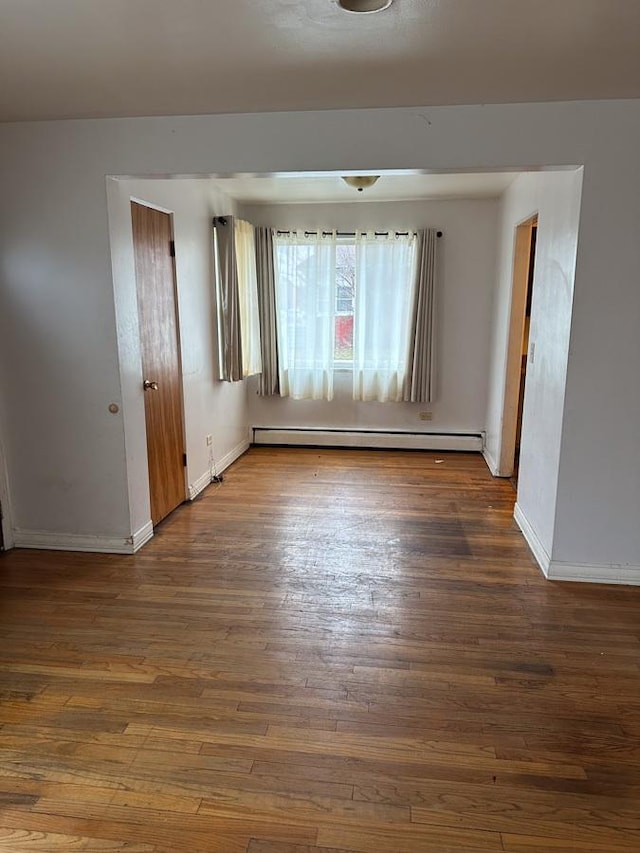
210,406
67,454
555,197
466,276
598,506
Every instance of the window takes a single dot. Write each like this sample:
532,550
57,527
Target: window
343,302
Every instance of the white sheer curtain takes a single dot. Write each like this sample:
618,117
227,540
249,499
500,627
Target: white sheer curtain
305,305
248,297
384,285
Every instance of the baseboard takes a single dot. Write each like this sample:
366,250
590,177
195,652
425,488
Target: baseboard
555,570
539,551
232,455
200,484
141,537
594,573
491,462
299,437
222,464
44,540
494,466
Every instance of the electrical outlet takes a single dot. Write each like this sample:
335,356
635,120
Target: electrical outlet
426,416
209,440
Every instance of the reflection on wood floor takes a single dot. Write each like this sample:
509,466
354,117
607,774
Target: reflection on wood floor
331,651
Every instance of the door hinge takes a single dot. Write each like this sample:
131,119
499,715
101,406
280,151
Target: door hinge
172,248
184,459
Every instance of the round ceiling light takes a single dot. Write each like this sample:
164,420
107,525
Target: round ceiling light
364,6
360,182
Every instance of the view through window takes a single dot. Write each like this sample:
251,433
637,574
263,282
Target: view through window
345,298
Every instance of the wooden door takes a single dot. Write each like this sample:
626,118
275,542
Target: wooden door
160,342
523,261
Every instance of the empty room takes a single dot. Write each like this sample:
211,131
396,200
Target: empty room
319,470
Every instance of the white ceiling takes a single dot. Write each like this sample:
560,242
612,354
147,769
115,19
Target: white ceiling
79,58
315,189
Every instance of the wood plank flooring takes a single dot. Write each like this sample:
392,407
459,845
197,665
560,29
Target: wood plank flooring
330,652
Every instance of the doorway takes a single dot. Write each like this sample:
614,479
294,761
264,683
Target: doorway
160,347
518,346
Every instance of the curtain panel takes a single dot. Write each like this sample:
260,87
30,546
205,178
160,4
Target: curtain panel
266,276
420,380
236,298
245,247
305,301
384,282
228,300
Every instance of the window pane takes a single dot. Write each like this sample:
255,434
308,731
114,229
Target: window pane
345,294
343,346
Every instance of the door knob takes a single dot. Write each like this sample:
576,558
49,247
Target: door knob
148,385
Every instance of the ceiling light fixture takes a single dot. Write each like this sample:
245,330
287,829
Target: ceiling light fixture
364,6
360,182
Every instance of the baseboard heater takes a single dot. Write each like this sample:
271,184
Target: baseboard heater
398,440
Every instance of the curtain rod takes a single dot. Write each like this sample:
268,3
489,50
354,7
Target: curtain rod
223,221
353,233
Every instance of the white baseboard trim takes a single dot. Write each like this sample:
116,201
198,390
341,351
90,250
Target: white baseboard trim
594,573
539,551
222,464
491,462
366,439
554,570
47,541
141,537
200,484
44,540
234,454
494,466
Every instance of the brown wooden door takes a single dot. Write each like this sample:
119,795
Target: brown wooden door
159,335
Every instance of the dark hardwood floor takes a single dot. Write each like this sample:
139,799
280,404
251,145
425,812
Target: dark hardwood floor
331,651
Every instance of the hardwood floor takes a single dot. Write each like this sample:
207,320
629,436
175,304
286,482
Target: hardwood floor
331,651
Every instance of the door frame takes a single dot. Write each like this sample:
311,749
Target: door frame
171,215
5,502
519,289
